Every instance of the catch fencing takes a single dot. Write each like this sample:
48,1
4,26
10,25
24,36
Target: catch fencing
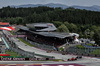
41,46
84,51
22,52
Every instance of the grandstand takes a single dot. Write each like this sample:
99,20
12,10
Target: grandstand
46,36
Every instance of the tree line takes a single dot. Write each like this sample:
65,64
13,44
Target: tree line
84,22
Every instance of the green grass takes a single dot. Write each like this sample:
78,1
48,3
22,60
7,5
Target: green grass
89,44
56,60
12,53
26,42
12,32
61,48
96,52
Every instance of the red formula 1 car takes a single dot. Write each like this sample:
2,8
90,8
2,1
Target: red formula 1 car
72,59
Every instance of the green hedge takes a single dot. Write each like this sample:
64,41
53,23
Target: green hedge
79,46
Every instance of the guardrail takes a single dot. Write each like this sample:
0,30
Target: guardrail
5,42
45,56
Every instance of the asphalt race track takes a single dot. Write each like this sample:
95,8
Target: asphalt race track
85,61
47,63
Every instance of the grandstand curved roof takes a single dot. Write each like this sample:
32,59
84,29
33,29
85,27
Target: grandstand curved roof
23,27
55,34
48,26
48,34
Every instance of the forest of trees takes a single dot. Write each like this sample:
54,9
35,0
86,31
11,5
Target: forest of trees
86,23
